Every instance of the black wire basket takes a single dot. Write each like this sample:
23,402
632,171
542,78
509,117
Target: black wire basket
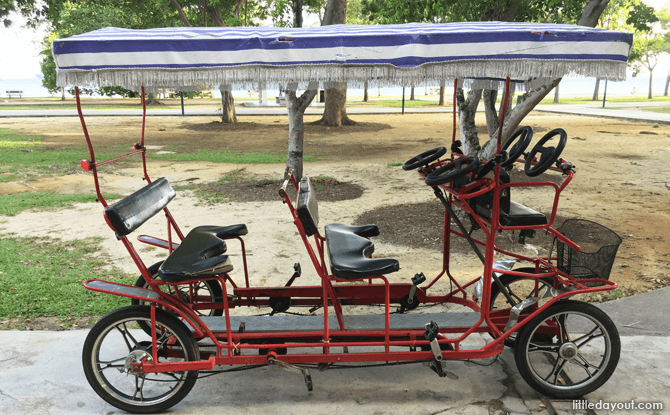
599,247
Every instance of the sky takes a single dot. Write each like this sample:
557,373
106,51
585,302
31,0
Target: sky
20,47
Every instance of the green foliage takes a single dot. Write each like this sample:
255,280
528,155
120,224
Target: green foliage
441,11
225,155
44,277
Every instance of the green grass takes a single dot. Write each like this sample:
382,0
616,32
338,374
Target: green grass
393,164
24,156
43,277
13,204
226,155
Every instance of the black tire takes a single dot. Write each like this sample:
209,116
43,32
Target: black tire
520,288
571,364
210,286
109,345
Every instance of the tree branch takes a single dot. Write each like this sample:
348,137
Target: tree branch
182,15
467,109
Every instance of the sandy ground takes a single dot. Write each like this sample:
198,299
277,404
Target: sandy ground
622,182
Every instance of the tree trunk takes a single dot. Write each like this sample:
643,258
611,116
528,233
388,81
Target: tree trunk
667,83
651,82
152,100
296,107
335,112
365,92
62,92
595,91
411,94
335,109
297,13
467,109
228,115
556,95
442,101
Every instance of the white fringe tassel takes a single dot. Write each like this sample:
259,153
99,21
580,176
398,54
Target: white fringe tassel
248,77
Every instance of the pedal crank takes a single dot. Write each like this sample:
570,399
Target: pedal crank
410,302
274,361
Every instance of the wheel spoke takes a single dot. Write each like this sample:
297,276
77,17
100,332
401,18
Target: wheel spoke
543,348
558,370
120,359
139,386
589,336
581,361
124,333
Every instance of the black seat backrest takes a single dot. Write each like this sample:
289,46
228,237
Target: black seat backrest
483,204
307,207
132,211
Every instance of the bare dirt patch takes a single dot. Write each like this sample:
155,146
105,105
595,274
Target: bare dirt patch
327,190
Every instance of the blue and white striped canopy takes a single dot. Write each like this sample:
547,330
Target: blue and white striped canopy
407,54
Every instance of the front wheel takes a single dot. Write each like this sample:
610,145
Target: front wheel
579,356
519,288
116,342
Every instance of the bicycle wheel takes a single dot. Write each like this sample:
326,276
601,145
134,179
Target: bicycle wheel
580,357
116,341
204,291
519,289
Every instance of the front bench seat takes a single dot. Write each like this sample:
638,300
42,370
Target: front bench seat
200,254
348,250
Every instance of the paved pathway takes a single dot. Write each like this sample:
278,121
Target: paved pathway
41,373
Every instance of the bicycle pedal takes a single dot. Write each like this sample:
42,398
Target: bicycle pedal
439,369
273,361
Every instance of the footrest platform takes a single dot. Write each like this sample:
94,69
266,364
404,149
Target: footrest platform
255,324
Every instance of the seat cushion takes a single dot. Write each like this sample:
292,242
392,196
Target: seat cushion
200,254
349,250
520,215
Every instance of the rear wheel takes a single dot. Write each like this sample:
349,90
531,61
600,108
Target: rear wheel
116,342
203,291
579,355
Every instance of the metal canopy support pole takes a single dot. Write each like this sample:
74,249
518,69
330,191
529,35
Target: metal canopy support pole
403,100
181,93
605,93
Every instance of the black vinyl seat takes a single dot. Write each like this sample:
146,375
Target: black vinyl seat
200,254
520,215
348,250
511,213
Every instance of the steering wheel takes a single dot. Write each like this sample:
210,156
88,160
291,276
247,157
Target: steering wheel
524,135
452,171
424,158
548,155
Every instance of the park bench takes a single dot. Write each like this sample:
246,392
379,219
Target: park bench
9,93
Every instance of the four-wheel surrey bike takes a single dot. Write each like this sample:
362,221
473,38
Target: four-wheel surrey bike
146,357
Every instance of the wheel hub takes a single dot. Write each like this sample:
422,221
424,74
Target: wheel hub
134,357
568,351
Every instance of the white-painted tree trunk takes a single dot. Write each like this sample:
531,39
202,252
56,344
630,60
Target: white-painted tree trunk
296,107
